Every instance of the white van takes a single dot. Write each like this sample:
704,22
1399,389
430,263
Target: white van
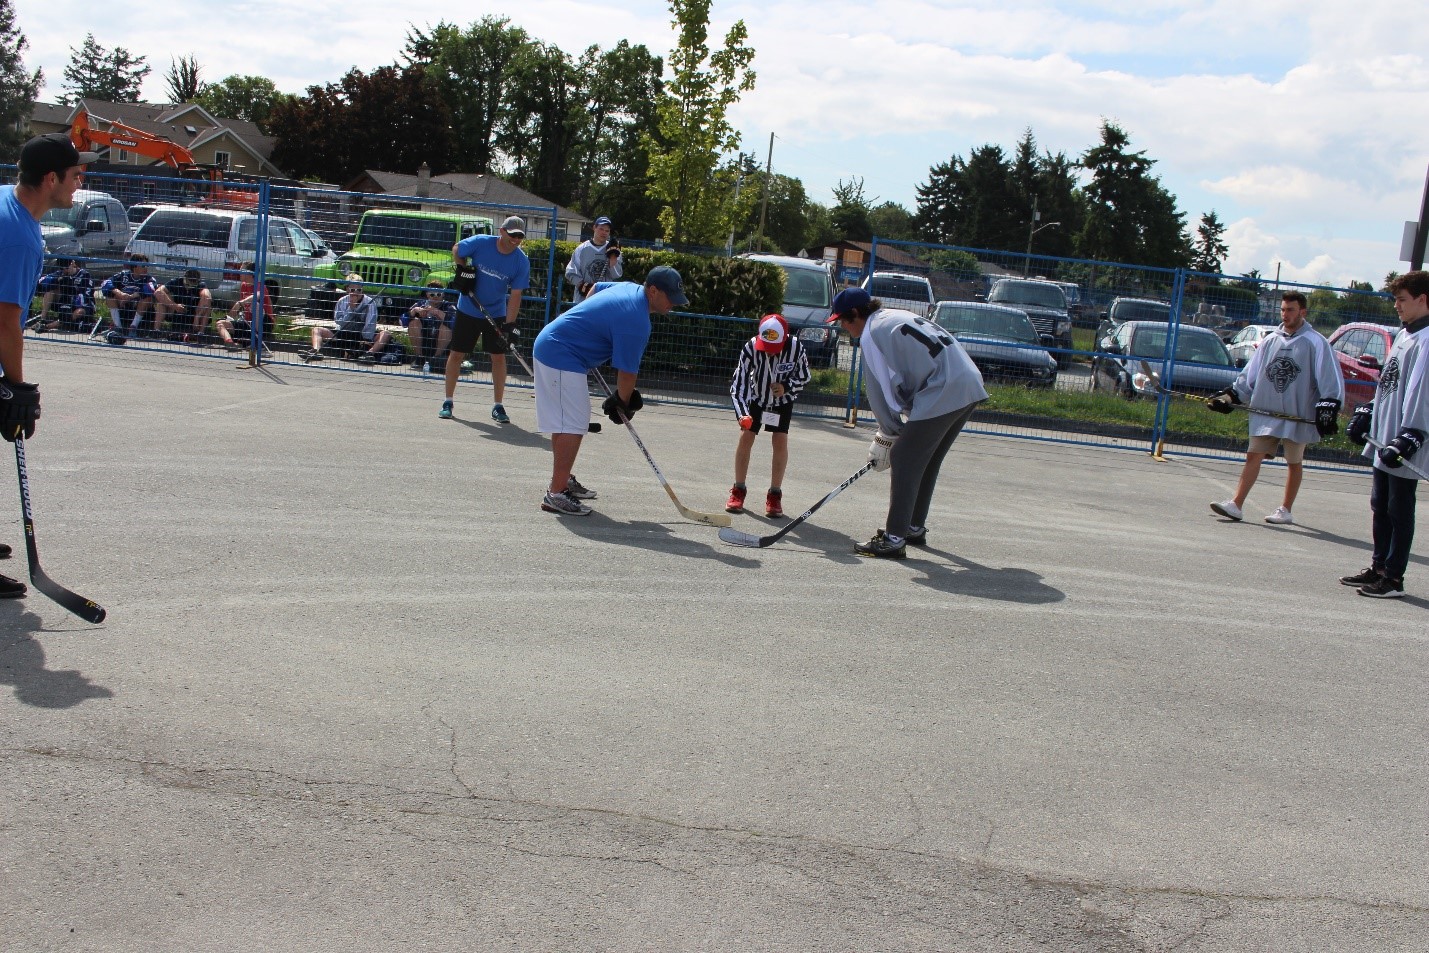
808,298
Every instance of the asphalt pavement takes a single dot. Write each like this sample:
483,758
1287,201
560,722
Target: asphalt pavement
357,692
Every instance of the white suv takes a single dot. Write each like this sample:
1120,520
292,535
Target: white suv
898,290
217,242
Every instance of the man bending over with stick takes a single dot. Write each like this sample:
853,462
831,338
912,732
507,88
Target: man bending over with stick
1293,373
611,325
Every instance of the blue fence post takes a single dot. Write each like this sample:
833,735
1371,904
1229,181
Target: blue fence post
260,274
552,302
855,381
1168,365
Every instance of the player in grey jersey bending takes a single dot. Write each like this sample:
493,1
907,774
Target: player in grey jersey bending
922,387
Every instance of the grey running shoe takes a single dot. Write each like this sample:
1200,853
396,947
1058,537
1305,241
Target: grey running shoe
1384,588
578,491
563,504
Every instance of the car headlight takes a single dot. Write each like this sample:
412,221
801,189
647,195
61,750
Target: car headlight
1064,326
1143,382
816,335
414,276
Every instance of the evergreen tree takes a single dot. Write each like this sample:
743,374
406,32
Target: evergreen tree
183,79
1130,217
18,86
113,76
694,129
850,213
1209,250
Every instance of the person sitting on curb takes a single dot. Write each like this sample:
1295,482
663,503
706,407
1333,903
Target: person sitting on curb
186,295
356,317
429,322
130,294
69,291
241,316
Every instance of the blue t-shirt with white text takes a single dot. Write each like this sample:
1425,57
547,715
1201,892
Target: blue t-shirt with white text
497,275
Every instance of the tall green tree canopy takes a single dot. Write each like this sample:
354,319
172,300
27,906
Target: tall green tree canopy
241,97
694,129
18,86
114,76
1209,250
1130,217
183,79
388,119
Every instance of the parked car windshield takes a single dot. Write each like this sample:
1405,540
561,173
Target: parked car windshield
903,289
806,288
1123,311
402,232
189,228
1190,346
987,322
1046,296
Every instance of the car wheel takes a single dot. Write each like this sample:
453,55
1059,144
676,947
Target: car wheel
1123,387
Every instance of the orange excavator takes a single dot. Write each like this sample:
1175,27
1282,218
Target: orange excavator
119,136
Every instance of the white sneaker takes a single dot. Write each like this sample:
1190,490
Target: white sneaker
1228,509
1281,516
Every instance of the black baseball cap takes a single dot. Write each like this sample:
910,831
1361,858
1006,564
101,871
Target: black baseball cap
52,152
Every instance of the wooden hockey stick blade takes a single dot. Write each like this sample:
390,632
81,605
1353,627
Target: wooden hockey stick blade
736,538
1379,446
709,519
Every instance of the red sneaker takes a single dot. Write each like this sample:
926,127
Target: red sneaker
736,499
774,504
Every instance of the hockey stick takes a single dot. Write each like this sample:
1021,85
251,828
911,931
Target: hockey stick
710,519
511,348
1146,369
1407,465
79,605
746,539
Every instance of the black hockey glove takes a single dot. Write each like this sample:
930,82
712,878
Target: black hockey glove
509,331
1327,416
1358,428
613,408
1401,448
612,251
1223,401
465,279
19,409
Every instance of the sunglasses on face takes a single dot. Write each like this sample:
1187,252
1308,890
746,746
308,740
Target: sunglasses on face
434,294
354,288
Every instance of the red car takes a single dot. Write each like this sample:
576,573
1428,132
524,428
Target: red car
1361,348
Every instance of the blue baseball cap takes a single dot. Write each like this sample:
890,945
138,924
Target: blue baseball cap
848,299
669,281
604,221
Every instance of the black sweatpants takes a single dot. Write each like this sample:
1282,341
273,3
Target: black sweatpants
917,456
1391,500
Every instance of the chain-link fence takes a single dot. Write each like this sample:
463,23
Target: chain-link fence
1073,350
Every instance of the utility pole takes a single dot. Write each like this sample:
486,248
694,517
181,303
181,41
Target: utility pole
764,200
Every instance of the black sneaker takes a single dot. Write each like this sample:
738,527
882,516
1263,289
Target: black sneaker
881,547
5,550
1384,588
1362,578
11,588
917,537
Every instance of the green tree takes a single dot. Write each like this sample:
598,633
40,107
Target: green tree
541,121
18,86
892,221
622,86
1130,217
694,131
973,203
469,70
251,98
330,133
850,212
1209,249
113,76
183,80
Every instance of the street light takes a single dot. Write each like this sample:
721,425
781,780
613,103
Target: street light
1032,229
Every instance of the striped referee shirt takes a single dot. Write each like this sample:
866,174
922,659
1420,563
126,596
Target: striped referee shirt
757,370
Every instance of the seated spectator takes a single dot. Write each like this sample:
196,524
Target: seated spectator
356,317
130,295
429,322
186,296
67,302
240,318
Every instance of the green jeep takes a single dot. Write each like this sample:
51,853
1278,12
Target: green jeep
396,251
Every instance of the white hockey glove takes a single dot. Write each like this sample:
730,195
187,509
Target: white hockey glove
880,452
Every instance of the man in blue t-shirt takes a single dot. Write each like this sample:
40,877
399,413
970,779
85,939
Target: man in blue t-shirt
491,273
610,325
50,169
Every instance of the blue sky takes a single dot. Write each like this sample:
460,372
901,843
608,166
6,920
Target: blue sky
1301,124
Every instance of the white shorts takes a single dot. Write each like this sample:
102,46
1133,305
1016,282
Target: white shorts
562,400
